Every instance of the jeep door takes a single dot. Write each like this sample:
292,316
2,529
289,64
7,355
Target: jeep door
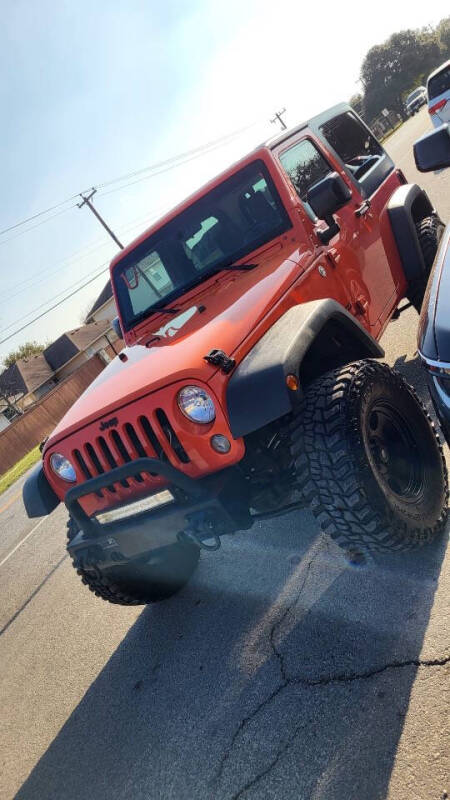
355,256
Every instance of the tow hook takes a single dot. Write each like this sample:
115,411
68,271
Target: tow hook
202,525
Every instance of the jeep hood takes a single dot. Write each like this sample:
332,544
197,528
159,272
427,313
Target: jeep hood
220,315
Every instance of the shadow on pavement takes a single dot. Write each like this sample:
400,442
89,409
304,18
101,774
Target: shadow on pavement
272,675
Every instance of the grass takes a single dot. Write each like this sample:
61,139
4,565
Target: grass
391,132
8,478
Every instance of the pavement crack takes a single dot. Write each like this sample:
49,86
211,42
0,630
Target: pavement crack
267,770
348,677
284,680
342,678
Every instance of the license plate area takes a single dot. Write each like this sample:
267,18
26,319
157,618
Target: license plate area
142,506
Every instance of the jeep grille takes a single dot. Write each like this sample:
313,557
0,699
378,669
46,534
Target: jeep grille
131,440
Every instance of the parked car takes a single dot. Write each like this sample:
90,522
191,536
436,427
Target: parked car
260,393
438,91
416,100
432,152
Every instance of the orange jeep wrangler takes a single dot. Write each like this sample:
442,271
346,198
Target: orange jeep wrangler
248,387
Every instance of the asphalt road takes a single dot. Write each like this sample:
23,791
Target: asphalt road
279,672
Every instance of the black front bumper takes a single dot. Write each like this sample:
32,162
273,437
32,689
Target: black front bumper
440,394
205,508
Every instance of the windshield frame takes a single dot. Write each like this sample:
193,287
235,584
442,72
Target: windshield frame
149,243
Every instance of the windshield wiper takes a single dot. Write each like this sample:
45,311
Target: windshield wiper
231,265
155,310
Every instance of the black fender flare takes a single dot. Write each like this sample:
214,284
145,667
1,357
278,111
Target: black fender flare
408,205
38,496
306,341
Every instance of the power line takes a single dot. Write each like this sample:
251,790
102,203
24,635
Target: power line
38,214
27,325
38,224
50,299
175,160
85,252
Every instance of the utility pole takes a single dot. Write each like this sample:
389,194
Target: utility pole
87,201
278,117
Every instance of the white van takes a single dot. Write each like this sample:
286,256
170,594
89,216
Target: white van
438,90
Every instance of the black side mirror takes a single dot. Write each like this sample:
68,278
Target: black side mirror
432,151
325,198
117,327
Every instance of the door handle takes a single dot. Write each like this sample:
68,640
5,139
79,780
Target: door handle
363,209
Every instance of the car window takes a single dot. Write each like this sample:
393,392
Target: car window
439,84
305,166
353,142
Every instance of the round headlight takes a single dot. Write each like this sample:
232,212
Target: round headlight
62,467
196,404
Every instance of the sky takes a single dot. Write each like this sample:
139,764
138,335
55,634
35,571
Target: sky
92,91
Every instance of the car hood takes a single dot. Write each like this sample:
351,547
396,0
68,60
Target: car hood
219,316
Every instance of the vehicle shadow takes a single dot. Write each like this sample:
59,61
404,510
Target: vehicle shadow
279,672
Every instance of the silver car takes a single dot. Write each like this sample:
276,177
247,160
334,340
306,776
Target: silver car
438,90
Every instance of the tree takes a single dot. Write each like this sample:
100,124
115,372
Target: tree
443,36
24,351
391,70
356,101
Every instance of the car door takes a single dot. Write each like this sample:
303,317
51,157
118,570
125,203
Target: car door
373,178
355,257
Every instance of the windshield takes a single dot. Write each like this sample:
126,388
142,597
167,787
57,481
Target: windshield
228,223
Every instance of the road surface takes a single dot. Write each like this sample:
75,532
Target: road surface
279,672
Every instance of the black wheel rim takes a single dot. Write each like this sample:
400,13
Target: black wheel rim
395,454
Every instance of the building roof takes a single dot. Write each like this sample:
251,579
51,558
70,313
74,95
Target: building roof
73,342
103,297
28,374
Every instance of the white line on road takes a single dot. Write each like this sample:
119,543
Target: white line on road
22,541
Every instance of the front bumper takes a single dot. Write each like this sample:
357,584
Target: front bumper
204,508
440,394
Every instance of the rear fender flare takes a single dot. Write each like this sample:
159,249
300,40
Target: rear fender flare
306,341
409,205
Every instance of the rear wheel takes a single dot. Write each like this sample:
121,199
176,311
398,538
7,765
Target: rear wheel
368,460
141,581
429,232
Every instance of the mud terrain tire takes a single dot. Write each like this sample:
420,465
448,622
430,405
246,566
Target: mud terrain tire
429,232
141,582
368,460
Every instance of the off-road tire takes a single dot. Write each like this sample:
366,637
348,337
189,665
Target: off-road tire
141,582
429,232
338,469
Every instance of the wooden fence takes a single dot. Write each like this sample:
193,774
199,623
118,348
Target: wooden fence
34,425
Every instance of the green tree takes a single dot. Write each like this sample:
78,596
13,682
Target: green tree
392,69
443,36
24,351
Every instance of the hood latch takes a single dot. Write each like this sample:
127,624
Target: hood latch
220,359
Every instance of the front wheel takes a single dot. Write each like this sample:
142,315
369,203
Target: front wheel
368,460
141,581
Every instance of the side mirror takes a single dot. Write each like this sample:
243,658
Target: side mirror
325,198
116,326
432,151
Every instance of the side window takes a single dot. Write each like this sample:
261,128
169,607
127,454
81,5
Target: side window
305,166
439,84
353,142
